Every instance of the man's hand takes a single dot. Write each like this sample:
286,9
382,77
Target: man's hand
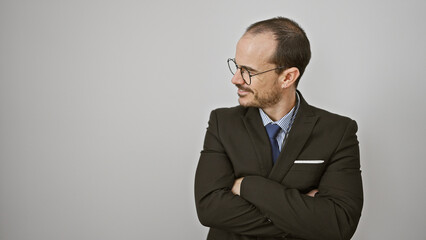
311,193
237,186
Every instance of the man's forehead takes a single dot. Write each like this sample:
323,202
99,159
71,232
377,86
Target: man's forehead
255,48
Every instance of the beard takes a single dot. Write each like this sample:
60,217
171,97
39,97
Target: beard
263,99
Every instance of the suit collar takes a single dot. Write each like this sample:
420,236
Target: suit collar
302,127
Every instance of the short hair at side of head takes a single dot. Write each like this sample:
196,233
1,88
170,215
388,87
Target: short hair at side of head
293,48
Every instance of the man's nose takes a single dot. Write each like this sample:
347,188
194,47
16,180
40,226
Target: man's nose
237,78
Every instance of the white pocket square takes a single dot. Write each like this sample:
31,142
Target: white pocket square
309,161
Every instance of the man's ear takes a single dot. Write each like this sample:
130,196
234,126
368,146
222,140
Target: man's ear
288,77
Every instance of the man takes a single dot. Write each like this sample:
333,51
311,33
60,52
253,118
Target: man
275,167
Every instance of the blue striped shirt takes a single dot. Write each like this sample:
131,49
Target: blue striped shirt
283,122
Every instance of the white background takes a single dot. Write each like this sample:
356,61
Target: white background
104,105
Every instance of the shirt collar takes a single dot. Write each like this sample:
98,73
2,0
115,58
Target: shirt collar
284,121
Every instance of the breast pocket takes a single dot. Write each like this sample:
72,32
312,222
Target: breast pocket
304,174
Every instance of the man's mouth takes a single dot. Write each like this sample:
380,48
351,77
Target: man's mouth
243,91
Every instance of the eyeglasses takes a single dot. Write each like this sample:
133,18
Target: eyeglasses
245,73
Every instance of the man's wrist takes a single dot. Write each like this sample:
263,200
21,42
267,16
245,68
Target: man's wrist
236,188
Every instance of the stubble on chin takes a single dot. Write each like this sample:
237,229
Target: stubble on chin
268,99
261,100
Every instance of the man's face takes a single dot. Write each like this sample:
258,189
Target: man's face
254,53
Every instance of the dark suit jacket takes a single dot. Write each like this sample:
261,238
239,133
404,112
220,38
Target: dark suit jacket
273,204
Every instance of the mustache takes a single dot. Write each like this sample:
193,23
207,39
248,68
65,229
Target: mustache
239,86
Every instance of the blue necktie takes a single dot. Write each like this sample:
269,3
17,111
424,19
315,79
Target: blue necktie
273,130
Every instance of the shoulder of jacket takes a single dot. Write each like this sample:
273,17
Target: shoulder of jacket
330,117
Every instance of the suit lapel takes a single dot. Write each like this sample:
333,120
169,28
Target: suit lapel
301,130
259,139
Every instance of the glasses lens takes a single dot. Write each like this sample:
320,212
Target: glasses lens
246,75
232,66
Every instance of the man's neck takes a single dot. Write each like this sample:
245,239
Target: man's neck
279,110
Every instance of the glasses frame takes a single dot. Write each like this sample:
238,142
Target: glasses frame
245,69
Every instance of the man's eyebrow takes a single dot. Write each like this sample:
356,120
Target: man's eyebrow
248,68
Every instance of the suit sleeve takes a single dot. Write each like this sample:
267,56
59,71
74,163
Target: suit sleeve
333,214
217,206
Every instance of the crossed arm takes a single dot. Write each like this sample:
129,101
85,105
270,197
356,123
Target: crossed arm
257,206
236,188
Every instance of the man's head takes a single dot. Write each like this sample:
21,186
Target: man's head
277,43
